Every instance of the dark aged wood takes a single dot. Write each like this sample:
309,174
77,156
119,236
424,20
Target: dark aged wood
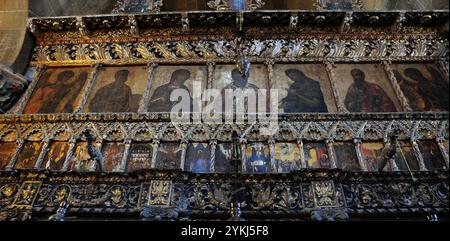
296,195
326,37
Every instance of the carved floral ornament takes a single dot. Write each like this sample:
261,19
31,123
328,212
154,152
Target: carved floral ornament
202,197
227,50
115,130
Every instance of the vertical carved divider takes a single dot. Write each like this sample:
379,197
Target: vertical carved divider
71,151
397,89
443,66
126,153
143,105
303,163
416,148
357,5
329,66
273,166
440,142
357,142
391,161
87,88
213,146
183,146
397,25
20,105
269,65
98,144
331,153
13,160
243,143
211,67
45,148
155,145
414,139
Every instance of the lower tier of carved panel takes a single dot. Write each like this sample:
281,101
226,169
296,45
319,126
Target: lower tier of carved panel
174,195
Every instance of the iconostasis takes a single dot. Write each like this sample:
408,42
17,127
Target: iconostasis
306,88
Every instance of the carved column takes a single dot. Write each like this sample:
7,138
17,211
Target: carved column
44,150
329,66
418,155
155,145
183,147
330,143
396,86
20,105
443,65
293,21
185,22
303,163
397,26
359,154
88,87
240,20
126,152
13,160
391,161
82,27
269,63
347,22
213,146
440,142
273,165
143,105
243,143
98,146
211,68
70,153
133,24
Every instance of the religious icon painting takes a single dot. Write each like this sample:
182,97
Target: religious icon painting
223,161
81,160
225,75
168,156
228,79
372,157
432,156
168,78
406,158
112,155
10,91
346,158
257,158
198,158
425,87
28,155
140,156
58,91
303,88
7,151
118,89
56,155
365,88
287,157
316,155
